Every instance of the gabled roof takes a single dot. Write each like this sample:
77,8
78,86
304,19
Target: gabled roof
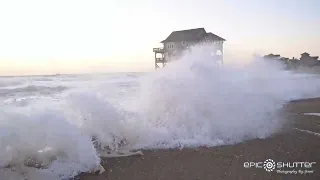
214,37
197,34
305,53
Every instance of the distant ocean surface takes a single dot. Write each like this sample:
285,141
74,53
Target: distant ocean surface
51,119
23,90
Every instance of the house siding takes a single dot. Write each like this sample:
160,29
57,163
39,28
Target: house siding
179,47
175,52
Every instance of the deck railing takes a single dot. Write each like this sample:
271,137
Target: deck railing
160,60
158,50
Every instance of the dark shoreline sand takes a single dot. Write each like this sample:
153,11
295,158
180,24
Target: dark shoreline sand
226,162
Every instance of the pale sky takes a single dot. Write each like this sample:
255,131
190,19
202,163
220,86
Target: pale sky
78,36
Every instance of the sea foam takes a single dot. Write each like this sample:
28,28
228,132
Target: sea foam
192,102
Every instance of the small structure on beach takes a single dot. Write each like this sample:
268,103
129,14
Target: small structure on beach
179,41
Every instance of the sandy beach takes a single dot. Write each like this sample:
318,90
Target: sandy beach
299,141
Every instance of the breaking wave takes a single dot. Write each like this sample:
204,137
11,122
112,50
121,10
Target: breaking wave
191,102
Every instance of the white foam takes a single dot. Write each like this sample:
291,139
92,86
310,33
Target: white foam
309,132
25,137
312,114
190,103
195,103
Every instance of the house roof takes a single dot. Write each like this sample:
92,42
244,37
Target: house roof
191,35
212,36
272,55
305,53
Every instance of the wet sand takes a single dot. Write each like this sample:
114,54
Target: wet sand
295,143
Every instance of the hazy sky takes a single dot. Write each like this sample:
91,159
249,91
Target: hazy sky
72,36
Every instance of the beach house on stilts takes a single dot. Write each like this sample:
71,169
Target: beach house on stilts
180,41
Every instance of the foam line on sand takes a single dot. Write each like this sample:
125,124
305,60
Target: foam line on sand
307,131
312,114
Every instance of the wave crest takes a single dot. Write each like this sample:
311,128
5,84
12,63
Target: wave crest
192,102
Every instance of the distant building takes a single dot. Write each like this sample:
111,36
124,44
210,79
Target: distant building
293,63
307,60
180,41
284,59
273,56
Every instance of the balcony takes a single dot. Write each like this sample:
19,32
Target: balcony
158,50
160,60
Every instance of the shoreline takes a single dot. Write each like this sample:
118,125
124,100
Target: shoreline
227,161
307,100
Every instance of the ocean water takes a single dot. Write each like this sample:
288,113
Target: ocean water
50,120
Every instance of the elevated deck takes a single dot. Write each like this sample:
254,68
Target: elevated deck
159,60
158,50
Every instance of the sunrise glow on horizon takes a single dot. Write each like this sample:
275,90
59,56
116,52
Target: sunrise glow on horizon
79,36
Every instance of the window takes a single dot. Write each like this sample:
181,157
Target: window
170,46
